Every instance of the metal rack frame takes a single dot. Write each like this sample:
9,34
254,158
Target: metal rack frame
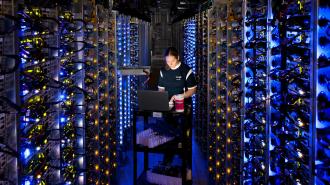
9,118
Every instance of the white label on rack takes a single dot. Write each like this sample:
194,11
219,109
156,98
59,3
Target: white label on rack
157,114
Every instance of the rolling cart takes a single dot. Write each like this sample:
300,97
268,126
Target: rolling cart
176,146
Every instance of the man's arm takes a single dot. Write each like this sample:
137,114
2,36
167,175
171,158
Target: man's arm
187,94
190,92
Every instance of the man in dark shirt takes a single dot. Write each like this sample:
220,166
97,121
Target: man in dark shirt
178,79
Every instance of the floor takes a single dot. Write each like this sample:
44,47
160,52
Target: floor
125,171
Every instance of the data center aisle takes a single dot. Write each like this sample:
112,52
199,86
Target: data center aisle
125,172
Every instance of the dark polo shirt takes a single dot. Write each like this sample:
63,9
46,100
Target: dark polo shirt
175,81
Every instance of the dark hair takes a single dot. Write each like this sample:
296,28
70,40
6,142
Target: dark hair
171,51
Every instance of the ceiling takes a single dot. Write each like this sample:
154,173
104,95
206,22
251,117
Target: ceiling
144,9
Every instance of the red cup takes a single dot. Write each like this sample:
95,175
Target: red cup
179,103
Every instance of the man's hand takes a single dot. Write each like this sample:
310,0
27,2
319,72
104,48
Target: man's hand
172,99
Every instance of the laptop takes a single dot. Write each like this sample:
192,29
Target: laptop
153,100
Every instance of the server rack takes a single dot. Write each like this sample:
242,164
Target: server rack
234,92
290,93
217,38
39,80
113,105
320,140
135,53
189,50
59,88
201,77
255,81
225,92
129,52
283,124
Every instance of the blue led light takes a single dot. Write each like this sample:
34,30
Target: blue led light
25,92
26,153
121,83
62,97
62,119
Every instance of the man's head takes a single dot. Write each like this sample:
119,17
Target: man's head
172,57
